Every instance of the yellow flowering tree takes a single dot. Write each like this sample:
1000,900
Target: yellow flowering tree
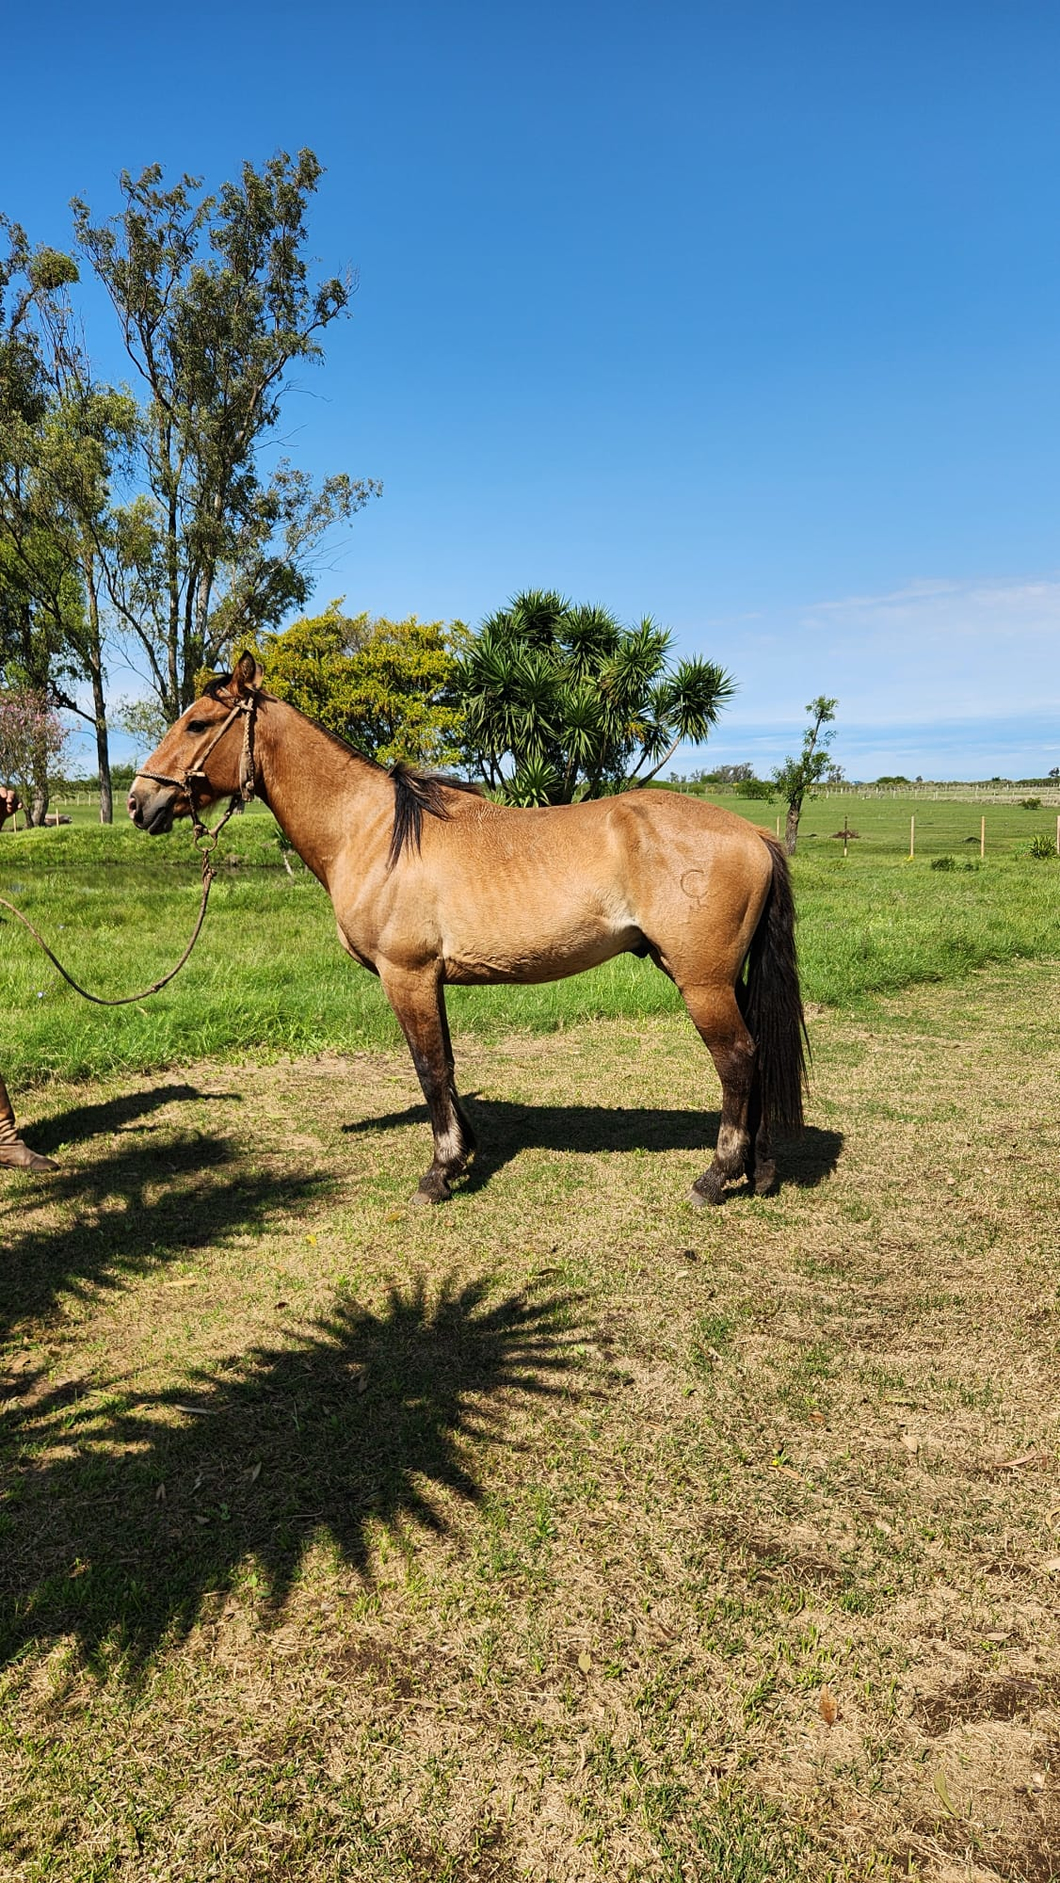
381,685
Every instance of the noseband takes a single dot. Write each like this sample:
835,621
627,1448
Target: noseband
187,780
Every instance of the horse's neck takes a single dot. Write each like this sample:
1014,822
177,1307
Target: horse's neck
316,789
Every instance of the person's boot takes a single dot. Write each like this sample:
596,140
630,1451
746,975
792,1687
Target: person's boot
14,1154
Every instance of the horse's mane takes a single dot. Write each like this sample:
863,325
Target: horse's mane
414,793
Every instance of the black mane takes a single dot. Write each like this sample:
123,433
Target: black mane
414,793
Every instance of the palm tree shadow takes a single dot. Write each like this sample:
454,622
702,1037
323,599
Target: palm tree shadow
123,1113
504,1129
153,1194
367,1419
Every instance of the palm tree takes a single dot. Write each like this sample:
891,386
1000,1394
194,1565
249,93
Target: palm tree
561,701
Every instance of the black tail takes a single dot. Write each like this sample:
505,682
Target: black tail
772,1004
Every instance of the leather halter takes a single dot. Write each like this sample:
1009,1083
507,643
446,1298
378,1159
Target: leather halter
186,782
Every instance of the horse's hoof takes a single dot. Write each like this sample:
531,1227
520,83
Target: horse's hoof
703,1198
765,1181
433,1195
19,1157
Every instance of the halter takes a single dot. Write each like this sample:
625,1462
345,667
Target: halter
186,782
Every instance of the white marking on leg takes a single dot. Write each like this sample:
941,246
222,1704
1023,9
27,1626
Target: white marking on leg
732,1144
448,1146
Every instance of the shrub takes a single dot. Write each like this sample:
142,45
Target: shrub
944,863
1030,804
1042,845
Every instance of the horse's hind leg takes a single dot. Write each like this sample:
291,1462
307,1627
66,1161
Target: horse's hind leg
720,1024
419,1004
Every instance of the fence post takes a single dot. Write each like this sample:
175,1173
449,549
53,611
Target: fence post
1058,836
912,836
982,836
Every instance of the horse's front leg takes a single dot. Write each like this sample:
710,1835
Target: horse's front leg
467,1135
418,1001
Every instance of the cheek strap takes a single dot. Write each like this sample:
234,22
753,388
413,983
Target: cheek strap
245,789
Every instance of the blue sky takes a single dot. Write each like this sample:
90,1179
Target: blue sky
742,315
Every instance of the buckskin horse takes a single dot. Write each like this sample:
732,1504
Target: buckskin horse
433,885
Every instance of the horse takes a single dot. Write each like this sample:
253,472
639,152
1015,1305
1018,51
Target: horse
434,885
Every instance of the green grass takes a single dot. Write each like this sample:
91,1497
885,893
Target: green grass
346,1542
882,825
268,977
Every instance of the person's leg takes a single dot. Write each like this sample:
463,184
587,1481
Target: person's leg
14,1154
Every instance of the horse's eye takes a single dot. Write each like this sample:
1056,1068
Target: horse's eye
198,725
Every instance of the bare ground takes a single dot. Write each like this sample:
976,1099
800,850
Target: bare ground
562,1532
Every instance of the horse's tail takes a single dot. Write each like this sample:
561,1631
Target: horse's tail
772,1004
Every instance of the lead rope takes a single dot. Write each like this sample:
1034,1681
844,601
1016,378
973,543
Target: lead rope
205,844
126,1000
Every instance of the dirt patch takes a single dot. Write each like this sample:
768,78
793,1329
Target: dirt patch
975,1698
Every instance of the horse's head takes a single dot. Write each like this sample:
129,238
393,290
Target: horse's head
206,755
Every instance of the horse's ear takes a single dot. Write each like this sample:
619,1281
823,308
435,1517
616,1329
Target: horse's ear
249,674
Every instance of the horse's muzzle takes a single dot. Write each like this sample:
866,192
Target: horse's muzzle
152,807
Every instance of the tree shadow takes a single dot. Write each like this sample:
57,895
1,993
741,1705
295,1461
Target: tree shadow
80,1122
162,1191
504,1129
122,1517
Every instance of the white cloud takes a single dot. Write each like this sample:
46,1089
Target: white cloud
932,651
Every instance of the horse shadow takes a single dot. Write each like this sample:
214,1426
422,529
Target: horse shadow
504,1128
142,1196
140,1509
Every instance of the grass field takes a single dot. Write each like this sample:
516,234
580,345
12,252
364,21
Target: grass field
269,978
944,825
563,1533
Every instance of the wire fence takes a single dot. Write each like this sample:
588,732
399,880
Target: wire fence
995,792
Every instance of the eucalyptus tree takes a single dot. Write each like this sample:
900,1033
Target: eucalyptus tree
215,307
30,557
63,436
561,701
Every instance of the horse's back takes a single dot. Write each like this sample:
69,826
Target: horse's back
663,831
536,894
